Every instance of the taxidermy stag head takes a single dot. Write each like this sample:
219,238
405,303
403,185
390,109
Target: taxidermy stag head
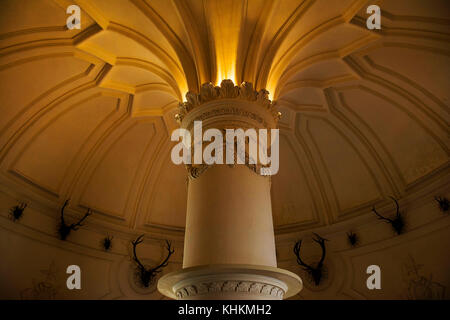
64,229
352,238
315,272
397,222
146,275
443,203
17,211
107,243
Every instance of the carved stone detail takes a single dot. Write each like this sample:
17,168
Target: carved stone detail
233,111
230,111
227,90
195,171
208,92
246,92
230,286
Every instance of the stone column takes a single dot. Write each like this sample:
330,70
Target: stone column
229,249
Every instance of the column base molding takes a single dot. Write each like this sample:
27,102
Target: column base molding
230,282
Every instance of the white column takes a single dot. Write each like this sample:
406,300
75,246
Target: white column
229,249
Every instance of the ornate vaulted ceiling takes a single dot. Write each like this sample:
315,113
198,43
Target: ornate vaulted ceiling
87,114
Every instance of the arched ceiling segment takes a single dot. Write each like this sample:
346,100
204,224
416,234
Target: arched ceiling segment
375,100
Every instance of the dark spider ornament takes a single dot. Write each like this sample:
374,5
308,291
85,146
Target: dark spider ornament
352,238
16,212
443,203
107,243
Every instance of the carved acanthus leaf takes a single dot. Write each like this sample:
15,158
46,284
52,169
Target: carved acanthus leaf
246,91
208,92
263,289
263,98
227,90
192,99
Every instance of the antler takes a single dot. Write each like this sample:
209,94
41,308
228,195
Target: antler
321,242
64,229
147,275
397,206
135,258
165,262
78,224
380,216
387,219
162,264
315,272
62,211
297,247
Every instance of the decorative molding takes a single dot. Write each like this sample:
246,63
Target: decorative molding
306,171
341,212
227,90
186,60
34,115
195,171
393,30
230,282
230,110
415,114
197,103
367,138
259,288
182,54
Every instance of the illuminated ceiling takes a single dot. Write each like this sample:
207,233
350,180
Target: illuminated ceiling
86,114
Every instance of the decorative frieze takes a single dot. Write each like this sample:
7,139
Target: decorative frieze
195,171
228,286
227,90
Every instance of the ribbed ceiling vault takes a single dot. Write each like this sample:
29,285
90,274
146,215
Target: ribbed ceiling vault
86,114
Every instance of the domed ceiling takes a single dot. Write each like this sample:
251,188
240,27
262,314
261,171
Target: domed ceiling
87,114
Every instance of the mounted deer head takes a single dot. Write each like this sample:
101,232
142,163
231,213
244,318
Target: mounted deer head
64,229
443,203
352,238
146,275
397,222
315,272
17,211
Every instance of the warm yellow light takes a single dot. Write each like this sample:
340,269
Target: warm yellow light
183,95
223,76
270,95
271,86
225,21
